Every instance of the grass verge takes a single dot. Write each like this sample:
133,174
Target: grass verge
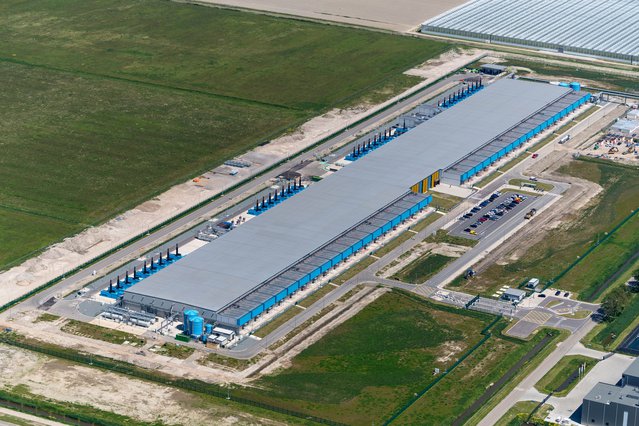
354,270
422,268
92,331
563,371
442,236
276,322
317,295
47,317
518,413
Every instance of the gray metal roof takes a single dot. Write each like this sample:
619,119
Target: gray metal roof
515,292
601,27
606,394
240,261
633,369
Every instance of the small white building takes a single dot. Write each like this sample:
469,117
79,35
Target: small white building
625,127
533,284
513,295
633,114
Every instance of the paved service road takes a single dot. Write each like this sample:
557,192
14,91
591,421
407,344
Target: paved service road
529,381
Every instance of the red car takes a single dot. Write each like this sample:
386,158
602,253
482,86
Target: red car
535,155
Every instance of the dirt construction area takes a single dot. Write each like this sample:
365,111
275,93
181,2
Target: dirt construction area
402,15
64,382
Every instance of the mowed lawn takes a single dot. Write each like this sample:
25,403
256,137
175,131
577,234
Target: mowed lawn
563,245
373,363
108,102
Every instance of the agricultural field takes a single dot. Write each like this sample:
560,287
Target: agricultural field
564,245
101,114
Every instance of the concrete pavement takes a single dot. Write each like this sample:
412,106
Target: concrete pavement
607,371
520,391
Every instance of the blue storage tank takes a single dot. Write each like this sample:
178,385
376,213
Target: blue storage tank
189,314
575,86
208,328
197,326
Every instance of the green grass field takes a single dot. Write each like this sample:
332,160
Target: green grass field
563,245
107,103
372,363
562,371
482,369
422,268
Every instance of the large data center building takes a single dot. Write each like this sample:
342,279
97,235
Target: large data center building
236,278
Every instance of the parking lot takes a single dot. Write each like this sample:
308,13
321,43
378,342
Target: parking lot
487,216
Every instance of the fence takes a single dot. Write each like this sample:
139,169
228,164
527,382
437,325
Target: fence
485,332
590,250
153,376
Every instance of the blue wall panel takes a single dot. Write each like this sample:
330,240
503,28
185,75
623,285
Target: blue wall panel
270,302
257,310
293,287
466,176
281,295
244,319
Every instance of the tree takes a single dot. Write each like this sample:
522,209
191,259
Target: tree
614,303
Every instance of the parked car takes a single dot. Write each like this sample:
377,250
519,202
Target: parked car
557,293
467,230
535,155
566,294
474,225
482,219
484,203
475,209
